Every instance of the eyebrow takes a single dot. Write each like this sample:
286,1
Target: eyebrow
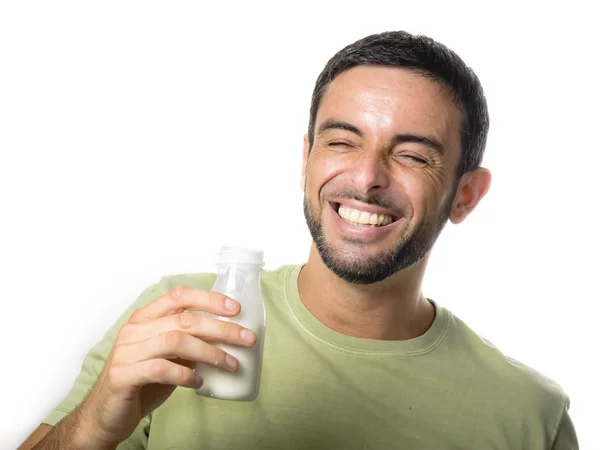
331,124
430,142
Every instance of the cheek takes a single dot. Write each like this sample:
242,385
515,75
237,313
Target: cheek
425,192
322,172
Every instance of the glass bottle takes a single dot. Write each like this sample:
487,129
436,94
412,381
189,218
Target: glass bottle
238,277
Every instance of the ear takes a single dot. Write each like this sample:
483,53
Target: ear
305,150
473,187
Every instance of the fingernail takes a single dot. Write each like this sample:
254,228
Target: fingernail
247,336
231,305
231,362
199,380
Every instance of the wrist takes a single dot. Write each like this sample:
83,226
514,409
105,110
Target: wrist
84,441
85,435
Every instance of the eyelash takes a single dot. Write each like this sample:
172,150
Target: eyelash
334,144
415,158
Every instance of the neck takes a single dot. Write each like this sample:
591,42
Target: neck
392,309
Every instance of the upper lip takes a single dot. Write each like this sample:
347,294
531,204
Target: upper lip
354,204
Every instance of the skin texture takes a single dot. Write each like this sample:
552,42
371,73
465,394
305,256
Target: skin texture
368,283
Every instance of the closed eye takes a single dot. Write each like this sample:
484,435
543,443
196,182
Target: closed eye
412,158
341,146
416,158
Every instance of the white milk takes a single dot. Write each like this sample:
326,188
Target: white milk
241,385
238,277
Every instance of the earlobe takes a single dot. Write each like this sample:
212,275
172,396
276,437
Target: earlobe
304,162
470,192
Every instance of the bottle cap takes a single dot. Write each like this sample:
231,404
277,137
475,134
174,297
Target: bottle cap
239,255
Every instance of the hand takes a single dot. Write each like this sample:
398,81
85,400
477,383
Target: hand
154,352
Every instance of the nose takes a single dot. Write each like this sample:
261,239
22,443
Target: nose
371,172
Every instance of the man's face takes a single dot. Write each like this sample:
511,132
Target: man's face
379,181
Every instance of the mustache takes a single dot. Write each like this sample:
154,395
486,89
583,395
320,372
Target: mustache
382,201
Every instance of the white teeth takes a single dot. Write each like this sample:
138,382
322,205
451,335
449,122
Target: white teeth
363,217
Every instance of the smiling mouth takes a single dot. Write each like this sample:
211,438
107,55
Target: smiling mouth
363,218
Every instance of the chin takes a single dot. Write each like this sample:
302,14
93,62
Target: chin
356,265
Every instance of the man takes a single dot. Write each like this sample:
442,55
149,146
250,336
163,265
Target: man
355,356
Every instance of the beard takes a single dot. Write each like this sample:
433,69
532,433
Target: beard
409,248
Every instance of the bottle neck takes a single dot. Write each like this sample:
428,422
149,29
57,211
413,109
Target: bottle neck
238,278
238,267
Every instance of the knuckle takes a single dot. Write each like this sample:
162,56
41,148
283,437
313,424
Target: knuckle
117,354
155,369
217,355
135,316
225,328
113,375
185,320
216,300
173,339
182,374
178,293
126,331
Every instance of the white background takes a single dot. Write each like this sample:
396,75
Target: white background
137,137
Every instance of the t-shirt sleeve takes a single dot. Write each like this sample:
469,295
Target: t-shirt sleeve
94,362
566,438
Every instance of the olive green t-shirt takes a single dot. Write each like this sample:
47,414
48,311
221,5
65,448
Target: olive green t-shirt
446,389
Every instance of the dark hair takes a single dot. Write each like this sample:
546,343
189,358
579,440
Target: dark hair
428,57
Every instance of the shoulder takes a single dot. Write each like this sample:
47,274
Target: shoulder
504,373
527,405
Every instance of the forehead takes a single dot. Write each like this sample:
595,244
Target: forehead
381,99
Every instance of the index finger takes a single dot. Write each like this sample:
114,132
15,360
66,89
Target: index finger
184,298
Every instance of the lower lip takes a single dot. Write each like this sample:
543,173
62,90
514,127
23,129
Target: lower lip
366,233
